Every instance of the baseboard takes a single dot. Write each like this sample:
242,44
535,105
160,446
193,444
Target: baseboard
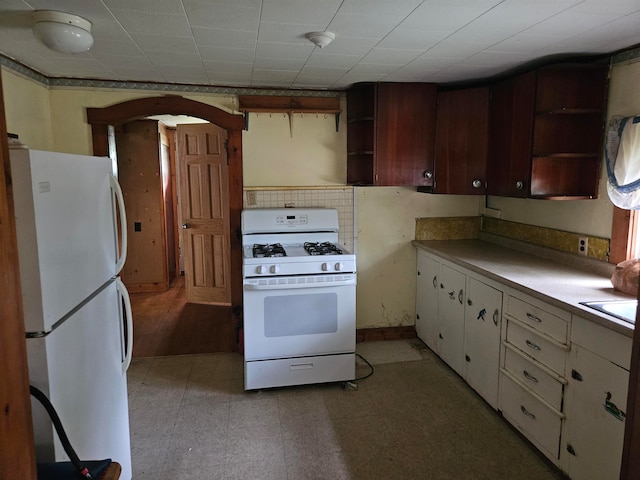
384,333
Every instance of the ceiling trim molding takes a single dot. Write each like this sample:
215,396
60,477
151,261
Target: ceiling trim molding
60,82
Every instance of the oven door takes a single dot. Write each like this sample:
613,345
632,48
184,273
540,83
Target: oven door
299,316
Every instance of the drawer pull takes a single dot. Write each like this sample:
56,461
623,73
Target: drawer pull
460,295
530,344
496,316
529,377
435,281
533,318
301,366
527,412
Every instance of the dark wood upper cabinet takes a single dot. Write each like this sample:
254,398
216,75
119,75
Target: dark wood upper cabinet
546,132
462,126
390,133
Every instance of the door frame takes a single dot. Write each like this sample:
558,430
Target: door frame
102,119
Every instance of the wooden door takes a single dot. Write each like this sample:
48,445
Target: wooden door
462,133
204,206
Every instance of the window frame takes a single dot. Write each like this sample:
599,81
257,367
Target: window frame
623,235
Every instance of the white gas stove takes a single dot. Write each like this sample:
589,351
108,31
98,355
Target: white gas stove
299,298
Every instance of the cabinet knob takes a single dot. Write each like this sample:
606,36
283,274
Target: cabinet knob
519,184
476,183
428,174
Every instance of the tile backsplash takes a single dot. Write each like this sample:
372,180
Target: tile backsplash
340,198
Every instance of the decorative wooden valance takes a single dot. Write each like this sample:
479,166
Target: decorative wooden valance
289,105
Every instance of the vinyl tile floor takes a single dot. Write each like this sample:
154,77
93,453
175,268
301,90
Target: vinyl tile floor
412,419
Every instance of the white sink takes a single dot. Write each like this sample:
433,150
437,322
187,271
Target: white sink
622,309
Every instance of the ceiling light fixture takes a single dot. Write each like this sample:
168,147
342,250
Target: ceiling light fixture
321,39
62,32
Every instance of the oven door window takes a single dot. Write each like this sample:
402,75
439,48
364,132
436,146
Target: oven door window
302,314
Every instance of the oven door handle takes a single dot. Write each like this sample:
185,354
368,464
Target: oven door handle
290,286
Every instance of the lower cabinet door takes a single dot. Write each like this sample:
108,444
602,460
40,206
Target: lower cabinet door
451,300
483,314
595,408
427,288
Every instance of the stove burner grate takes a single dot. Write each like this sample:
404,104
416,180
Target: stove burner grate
324,248
268,250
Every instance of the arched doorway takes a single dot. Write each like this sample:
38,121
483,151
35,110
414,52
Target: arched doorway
102,121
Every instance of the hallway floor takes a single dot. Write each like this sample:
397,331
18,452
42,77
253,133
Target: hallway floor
412,419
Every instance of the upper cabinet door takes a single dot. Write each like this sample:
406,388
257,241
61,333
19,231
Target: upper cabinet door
461,141
390,134
510,128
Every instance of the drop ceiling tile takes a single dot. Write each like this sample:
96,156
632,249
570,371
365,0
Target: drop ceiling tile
157,6
167,44
228,67
219,54
229,79
618,7
452,48
284,50
449,16
191,75
413,38
151,23
124,61
267,63
391,56
184,59
225,14
368,26
374,69
326,60
91,10
400,8
224,38
349,46
286,32
137,74
571,24
295,11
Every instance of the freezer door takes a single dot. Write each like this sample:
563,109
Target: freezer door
66,229
79,366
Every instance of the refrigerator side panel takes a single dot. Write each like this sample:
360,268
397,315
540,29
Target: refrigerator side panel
82,374
71,216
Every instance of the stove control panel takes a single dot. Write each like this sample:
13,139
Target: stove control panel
293,219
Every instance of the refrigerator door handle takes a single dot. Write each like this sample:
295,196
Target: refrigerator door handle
115,186
129,317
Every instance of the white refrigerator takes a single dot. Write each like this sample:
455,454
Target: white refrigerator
71,231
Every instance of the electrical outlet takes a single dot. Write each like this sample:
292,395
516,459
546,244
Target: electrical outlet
583,245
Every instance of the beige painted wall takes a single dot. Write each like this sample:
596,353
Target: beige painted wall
386,259
27,111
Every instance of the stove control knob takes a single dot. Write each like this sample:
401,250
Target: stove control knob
274,269
259,269
325,267
339,266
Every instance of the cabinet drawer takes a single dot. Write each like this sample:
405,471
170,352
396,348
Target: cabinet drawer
537,347
534,419
553,324
534,378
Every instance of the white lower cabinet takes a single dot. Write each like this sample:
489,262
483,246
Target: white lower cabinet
596,401
559,379
459,316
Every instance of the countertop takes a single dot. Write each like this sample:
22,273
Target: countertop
553,282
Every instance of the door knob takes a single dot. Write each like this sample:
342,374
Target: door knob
186,225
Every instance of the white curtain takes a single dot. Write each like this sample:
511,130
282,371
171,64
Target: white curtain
622,153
